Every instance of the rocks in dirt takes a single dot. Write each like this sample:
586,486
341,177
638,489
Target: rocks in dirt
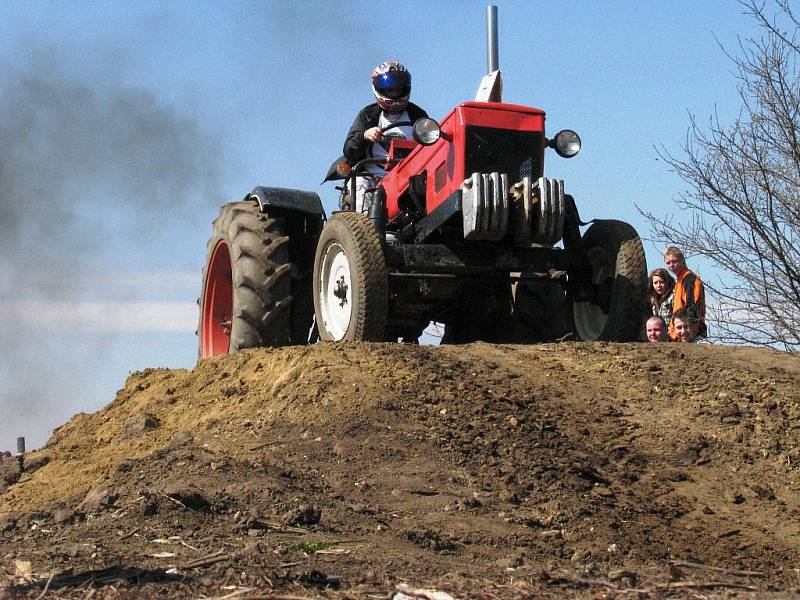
10,472
733,496
220,465
694,445
148,503
406,592
319,579
601,491
125,466
676,573
579,556
139,423
7,524
97,499
729,412
35,463
763,492
23,570
671,474
468,503
251,520
302,516
509,562
620,574
508,495
189,495
63,516
431,540
551,534
570,458
181,438
363,509
729,533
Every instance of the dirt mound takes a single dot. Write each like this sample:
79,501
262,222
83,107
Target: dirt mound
487,471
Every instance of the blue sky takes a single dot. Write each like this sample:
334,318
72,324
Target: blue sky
125,126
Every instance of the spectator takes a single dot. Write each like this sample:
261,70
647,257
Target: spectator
656,329
5,456
687,328
661,286
688,292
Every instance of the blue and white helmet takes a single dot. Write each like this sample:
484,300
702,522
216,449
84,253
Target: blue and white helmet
391,84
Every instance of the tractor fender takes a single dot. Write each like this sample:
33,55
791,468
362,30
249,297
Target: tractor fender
287,200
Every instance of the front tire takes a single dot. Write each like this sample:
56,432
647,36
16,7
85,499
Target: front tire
617,306
247,288
351,281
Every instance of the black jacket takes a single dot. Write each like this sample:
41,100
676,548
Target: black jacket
355,146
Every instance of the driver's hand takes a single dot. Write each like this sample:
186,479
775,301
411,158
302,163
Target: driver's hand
373,134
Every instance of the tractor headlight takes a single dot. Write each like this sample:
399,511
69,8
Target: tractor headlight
427,131
567,143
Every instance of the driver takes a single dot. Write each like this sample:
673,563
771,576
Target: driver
372,129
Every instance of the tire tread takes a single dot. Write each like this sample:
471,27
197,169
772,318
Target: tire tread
261,269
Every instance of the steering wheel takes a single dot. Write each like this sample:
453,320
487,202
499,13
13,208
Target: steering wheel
385,129
393,125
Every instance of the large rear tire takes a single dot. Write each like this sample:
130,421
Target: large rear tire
247,287
351,281
618,305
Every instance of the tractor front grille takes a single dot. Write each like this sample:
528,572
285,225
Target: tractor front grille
515,153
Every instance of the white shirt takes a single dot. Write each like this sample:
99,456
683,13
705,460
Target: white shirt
381,149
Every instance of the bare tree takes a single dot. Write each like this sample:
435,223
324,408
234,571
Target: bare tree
744,191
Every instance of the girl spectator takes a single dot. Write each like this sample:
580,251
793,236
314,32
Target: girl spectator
660,288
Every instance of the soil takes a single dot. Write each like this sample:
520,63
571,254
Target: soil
479,471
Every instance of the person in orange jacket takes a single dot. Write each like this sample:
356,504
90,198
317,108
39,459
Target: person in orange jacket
688,294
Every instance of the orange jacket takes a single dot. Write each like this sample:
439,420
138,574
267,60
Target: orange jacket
690,294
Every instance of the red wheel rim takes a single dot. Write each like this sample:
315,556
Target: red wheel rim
217,317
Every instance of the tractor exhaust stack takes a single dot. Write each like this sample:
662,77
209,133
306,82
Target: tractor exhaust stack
491,39
490,88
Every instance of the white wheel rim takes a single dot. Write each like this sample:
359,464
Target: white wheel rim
336,291
590,320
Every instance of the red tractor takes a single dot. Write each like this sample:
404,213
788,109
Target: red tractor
463,230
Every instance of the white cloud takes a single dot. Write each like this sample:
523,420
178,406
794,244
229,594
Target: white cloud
100,317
